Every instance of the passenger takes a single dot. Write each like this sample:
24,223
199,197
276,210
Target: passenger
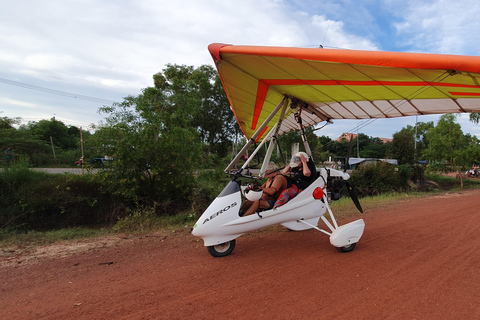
301,172
272,188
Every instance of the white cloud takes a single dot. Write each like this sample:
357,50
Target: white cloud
440,26
132,40
17,103
110,49
336,36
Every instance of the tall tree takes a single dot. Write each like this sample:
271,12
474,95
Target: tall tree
203,100
214,120
26,145
448,148
402,147
61,135
7,123
475,117
408,144
157,136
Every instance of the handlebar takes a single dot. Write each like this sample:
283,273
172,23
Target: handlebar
238,174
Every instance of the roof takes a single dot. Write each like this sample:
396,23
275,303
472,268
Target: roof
346,136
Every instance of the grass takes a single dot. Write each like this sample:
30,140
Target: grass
144,221
138,223
10,237
453,183
344,207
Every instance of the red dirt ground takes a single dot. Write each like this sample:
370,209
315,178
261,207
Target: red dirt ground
418,259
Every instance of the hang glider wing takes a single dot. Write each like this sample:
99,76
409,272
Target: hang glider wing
344,84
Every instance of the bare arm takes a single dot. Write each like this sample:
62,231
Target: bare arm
306,169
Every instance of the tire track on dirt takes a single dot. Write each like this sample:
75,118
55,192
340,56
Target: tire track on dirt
416,260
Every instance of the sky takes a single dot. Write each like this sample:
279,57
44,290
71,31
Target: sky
65,59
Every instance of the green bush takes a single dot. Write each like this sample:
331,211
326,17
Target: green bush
140,220
209,184
32,200
373,179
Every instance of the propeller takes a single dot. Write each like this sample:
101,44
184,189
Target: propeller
348,154
353,195
350,189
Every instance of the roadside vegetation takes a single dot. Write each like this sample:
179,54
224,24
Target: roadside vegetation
51,208
167,148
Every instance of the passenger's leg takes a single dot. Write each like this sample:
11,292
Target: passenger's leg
247,204
253,208
286,195
264,204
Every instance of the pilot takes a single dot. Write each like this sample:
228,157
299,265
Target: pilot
272,188
301,171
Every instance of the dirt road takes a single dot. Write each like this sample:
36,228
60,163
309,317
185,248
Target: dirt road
418,259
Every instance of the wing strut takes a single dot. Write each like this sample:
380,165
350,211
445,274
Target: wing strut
298,106
274,140
256,134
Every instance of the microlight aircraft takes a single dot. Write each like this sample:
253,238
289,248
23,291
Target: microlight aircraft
275,90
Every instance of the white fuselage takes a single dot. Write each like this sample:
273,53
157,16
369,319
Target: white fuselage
221,223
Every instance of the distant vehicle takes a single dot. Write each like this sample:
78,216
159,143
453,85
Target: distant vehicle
95,162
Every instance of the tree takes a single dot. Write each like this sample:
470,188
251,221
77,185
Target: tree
475,117
361,141
377,149
26,145
215,120
287,140
447,146
368,147
339,148
204,103
322,148
157,137
402,147
62,136
408,143
7,123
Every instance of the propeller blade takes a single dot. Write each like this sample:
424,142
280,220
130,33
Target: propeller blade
349,152
353,195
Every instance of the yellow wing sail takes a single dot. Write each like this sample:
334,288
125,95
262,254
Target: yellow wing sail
343,84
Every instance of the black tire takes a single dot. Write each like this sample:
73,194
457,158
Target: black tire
348,248
222,249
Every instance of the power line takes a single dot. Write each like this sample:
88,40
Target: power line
412,95
57,92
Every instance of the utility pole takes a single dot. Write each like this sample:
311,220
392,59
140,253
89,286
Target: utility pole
53,149
81,147
416,120
358,144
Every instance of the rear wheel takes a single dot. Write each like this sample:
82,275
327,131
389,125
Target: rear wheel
348,248
222,249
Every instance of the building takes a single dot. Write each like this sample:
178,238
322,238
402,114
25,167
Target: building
347,135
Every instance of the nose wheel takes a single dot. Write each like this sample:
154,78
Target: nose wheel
222,249
348,248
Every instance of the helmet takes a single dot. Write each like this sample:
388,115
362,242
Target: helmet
252,195
296,160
